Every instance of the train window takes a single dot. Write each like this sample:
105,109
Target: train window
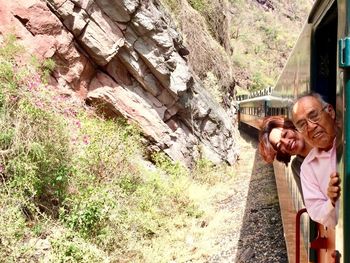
324,56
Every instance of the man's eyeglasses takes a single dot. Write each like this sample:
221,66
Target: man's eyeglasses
314,116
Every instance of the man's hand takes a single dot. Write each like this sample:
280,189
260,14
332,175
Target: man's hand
333,190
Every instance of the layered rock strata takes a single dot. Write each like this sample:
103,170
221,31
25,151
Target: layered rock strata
128,57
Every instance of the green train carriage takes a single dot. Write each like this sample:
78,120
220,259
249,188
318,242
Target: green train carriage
320,62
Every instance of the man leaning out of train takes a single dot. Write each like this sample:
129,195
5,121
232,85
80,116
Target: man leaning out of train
315,120
278,138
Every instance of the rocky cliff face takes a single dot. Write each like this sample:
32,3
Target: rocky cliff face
127,57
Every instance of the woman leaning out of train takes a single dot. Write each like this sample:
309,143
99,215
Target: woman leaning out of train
279,138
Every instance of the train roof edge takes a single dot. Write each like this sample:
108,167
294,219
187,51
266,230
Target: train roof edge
267,98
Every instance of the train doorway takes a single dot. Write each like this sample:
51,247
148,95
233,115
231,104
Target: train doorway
324,56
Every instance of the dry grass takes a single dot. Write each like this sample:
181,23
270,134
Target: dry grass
206,55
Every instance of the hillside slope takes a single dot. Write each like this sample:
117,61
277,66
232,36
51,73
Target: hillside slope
127,59
238,44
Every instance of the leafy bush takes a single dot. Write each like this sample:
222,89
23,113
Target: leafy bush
44,68
10,48
164,163
68,247
199,5
86,213
260,81
6,138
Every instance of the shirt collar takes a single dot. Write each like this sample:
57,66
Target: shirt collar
316,153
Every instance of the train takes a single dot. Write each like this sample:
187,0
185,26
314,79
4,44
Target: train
319,62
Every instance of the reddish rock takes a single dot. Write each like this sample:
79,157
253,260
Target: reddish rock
129,60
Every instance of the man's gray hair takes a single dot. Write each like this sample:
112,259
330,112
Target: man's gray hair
316,95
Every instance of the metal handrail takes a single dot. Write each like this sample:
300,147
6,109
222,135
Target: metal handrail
297,234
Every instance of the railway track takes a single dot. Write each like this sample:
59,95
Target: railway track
258,235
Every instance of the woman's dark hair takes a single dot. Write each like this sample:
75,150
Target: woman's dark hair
266,149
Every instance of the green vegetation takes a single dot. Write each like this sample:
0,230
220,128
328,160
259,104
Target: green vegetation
243,44
73,186
44,68
199,5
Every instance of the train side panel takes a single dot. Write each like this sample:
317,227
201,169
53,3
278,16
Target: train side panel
320,62
295,77
342,96
312,65
252,113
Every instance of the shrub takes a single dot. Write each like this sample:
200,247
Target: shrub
6,138
105,146
12,226
85,213
174,169
260,81
44,68
10,48
68,247
199,5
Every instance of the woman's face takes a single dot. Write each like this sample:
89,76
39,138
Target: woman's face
286,141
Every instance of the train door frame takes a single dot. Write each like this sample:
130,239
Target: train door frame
342,96
323,80
343,115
